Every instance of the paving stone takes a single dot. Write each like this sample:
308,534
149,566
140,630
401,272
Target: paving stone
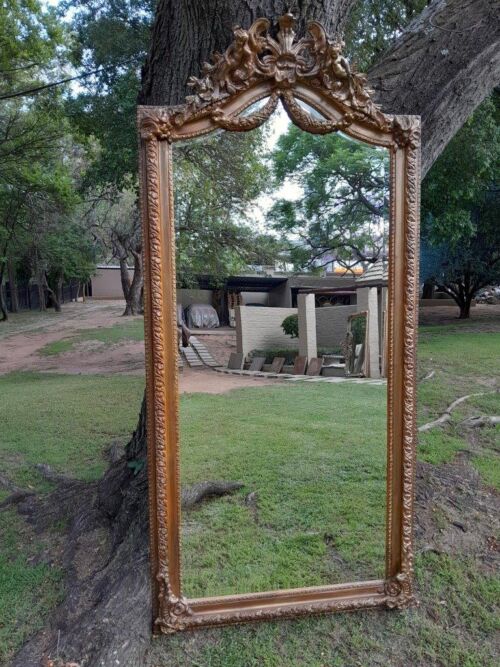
235,361
277,365
299,365
315,365
257,363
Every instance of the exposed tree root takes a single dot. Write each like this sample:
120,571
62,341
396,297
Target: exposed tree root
194,494
15,498
17,494
446,416
105,618
481,420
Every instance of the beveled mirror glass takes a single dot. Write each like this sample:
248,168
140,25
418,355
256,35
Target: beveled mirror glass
281,404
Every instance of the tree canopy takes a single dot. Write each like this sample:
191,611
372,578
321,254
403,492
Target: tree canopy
461,210
39,161
216,183
340,213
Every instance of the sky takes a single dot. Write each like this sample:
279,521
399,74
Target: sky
279,123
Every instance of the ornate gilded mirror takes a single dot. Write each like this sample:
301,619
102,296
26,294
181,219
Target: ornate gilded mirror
315,443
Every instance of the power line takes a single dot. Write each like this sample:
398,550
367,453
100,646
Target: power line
38,89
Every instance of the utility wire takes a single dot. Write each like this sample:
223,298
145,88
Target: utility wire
38,89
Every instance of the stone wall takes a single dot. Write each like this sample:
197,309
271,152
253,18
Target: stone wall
255,297
189,296
331,324
107,283
260,328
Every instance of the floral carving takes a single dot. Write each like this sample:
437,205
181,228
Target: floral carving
156,126
255,56
406,131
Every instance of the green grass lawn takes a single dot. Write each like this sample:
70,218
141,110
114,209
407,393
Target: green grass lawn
66,421
130,329
316,470
69,421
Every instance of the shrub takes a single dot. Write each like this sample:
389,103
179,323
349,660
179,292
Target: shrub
290,326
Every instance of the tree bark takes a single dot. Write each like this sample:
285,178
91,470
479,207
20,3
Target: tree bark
14,296
55,294
441,68
134,294
124,275
4,315
465,308
41,294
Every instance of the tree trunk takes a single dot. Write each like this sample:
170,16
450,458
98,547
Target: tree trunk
441,68
124,276
59,292
428,291
55,294
14,297
134,297
41,294
4,315
465,305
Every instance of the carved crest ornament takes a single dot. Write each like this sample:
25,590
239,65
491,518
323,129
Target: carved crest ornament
255,57
310,69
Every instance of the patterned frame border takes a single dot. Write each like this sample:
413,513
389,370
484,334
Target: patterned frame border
313,70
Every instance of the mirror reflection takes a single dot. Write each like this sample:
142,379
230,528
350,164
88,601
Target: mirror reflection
282,263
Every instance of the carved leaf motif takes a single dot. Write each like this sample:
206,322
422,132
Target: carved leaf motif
255,55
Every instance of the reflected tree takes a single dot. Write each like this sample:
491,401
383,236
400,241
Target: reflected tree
343,203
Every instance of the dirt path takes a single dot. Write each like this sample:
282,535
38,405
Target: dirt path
26,334
484,317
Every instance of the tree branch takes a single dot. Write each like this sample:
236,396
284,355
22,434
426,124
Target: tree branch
442,67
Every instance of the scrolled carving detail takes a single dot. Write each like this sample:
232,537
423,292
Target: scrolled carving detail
256,56
245,123
399,592
406,131
174,610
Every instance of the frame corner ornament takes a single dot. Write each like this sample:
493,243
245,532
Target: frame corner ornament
399,592
406,131
174,611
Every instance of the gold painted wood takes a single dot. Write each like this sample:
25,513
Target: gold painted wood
311,69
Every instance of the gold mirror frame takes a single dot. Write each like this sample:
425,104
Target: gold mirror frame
311,69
